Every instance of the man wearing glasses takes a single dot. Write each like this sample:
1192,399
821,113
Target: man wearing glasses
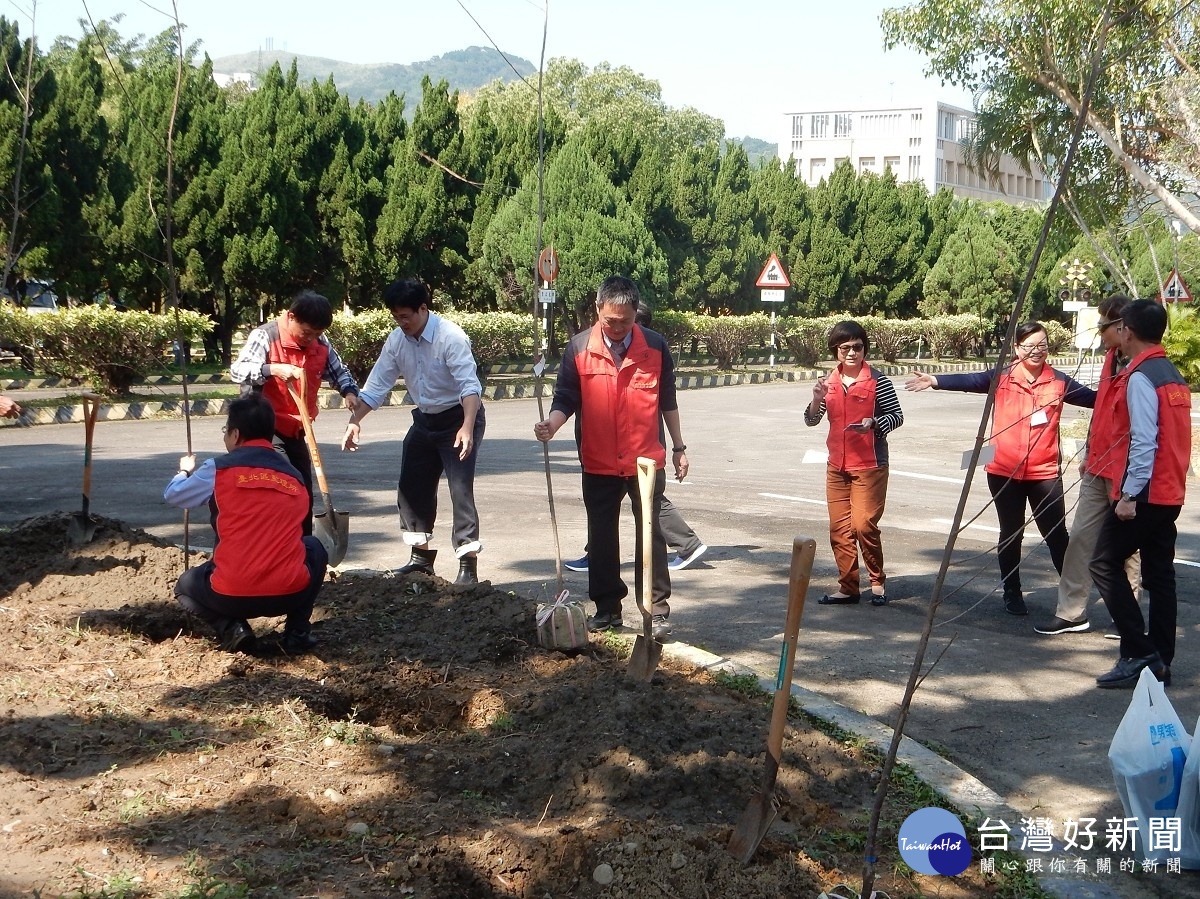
1095,484
1151,402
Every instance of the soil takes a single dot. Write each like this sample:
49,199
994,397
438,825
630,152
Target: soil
428,747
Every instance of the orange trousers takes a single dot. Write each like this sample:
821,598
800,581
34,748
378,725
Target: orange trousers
856,500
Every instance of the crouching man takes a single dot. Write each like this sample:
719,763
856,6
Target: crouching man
262,564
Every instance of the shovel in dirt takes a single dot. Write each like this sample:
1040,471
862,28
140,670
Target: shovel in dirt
764,805
330,527
646,650
81,528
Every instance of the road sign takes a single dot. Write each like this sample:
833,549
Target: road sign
548,265
1175,290
547,297
773,295
773,274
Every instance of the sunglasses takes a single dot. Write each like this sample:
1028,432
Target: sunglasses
851,348
1104,326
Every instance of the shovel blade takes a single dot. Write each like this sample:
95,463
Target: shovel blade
753,825
643,661
81,529
333,530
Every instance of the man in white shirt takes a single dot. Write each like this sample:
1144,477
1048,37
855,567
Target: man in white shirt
433,356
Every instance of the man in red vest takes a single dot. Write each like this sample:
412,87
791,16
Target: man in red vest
619,378
261,565
292,347
1151,402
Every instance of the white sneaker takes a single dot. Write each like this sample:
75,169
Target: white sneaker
679,562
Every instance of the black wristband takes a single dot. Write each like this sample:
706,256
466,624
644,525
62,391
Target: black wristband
679,449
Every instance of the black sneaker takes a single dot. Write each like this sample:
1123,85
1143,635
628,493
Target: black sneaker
297,643
660,627
238,636
1058,625
605,621
1014,603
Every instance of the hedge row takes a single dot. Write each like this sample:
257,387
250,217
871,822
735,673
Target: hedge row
114,349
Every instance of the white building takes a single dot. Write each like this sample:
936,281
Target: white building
925,143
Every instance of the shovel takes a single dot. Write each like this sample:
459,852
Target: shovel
646,650
81,528
331,528
764,805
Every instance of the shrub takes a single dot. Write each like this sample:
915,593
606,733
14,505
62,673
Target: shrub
805,338
112,349
728,336
497,335
951,334
358,338
677,327
1059,337
1182,341
17,333
890,336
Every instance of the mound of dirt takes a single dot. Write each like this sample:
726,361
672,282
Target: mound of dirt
428,747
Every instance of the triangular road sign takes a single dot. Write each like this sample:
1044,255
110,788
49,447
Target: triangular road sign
1175,290
773,274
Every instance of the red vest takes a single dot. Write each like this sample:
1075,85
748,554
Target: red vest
619,418
1105,443
1025,425
259,505
852,450
1168,481
312,358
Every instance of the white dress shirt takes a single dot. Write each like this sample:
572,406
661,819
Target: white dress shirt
437,367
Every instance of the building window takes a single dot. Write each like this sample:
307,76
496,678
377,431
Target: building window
946,123
914,141
914,123
818,126
797,126
797,146
914,168
937,172
838,160
966,129
866,163
816,170
948,171
841,124
892,162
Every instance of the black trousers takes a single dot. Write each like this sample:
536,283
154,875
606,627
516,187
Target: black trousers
296,450
1152,532
602,497
676,531
194,592
428,454
1045,499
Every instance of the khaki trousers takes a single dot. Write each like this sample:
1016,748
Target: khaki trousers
1076,581
856,500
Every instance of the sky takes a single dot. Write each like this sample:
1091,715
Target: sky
747,62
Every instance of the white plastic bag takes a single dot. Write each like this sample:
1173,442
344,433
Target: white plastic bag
1148,754
1189,807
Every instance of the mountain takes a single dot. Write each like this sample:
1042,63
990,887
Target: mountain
464,70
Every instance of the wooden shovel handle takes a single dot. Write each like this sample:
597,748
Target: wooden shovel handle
804,551
310,438
647,471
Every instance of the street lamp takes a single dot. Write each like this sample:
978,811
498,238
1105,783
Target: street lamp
1176,233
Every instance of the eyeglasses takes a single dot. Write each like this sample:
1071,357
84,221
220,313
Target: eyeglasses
1104,326
1033,348
851,347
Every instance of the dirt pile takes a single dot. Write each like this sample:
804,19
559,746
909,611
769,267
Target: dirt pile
428,747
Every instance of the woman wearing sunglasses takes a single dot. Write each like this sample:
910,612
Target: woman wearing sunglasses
1026,466
863,410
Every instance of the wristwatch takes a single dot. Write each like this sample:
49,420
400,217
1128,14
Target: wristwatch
1128,497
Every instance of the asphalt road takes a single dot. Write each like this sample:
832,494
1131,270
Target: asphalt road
1017,710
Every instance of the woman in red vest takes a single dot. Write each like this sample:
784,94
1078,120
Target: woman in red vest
863,410
1026,465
